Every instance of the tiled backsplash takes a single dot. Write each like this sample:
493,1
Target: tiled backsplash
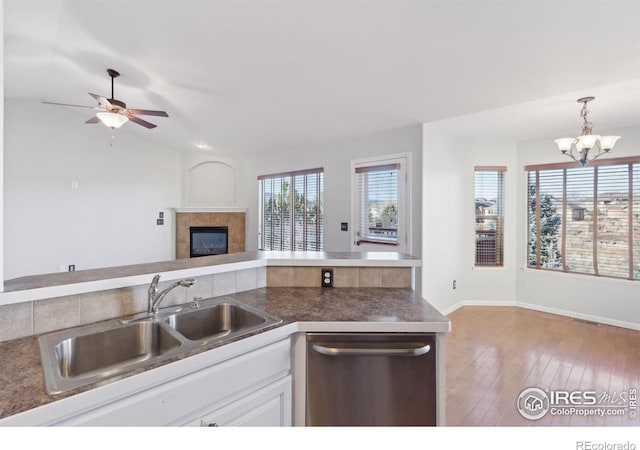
295,276
31,318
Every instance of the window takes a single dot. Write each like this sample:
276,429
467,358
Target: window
376,191
585,219
291,210
489,207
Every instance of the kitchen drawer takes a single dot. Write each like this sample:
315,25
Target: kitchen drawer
181,400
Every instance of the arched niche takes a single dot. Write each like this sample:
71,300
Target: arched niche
211,183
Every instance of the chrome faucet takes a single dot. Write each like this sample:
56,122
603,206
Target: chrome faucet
156,297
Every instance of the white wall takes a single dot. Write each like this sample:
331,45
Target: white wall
603,299
448,224
208,179
335,158
442,225
490,285
110,219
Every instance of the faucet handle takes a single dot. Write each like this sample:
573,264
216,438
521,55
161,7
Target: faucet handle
154,283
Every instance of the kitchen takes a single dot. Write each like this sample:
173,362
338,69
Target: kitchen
123,182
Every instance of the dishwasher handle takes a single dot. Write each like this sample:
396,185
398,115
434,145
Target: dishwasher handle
421,349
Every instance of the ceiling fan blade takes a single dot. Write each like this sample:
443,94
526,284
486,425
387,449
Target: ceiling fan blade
139,121
94,119
147,112
67,104
102,100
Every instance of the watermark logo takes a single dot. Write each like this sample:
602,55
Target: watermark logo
590,445
533,403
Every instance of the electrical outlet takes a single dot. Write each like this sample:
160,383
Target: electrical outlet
327,277
344,226
454,284
72,267
159,221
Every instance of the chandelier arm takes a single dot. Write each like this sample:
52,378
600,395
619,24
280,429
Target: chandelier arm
600,151
571,149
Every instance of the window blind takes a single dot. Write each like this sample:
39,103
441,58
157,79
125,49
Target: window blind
585,219
291,216
489,208
578,231
549,219
376,190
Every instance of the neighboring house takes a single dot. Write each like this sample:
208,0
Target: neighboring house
577,212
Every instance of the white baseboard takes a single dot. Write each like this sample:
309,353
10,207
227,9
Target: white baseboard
451,309
581,316
533,306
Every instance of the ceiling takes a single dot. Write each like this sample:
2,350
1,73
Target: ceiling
253,77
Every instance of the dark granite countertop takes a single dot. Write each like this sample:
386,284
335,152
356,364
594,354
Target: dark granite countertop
269,257
314,309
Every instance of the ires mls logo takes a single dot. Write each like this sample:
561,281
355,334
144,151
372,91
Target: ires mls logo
534,403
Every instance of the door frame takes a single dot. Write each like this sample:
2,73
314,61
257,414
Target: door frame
379,160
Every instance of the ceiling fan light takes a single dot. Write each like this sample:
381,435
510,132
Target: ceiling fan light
587,141
112,120
564,144
608,142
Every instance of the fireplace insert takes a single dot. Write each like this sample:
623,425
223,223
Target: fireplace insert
207,241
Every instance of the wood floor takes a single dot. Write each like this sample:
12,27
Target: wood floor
493,353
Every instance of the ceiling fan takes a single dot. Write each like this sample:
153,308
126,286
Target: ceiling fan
114,113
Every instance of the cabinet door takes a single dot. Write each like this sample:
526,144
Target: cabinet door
266,407
176,401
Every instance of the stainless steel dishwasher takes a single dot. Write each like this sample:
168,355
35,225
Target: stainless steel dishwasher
371,379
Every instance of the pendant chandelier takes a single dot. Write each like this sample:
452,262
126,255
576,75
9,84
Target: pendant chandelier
578,148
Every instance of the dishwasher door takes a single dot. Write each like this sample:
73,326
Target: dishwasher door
371,379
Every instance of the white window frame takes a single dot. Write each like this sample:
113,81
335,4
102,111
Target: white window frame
499,239
564,213
320,198
404,197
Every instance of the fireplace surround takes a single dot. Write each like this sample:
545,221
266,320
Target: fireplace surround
233,219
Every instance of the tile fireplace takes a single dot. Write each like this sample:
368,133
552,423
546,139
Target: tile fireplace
209,224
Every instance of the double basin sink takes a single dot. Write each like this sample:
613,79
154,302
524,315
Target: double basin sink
89,354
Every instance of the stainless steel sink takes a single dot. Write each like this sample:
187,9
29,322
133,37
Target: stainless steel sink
112,349
85,355
219,320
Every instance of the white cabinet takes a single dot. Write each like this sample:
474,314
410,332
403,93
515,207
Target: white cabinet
266,407
250,389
